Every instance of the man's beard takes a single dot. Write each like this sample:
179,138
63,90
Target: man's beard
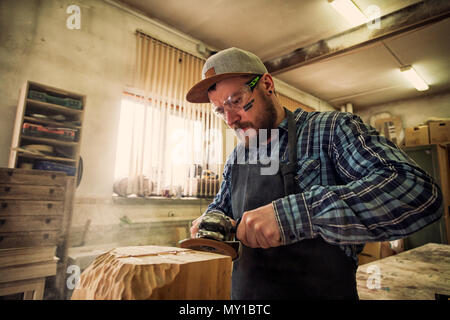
246,131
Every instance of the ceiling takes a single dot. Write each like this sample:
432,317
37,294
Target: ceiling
272,28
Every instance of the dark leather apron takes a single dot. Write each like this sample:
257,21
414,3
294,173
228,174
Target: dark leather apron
307,269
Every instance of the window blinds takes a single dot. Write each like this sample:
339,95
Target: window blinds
174,147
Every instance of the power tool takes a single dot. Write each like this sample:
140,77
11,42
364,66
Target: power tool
216,233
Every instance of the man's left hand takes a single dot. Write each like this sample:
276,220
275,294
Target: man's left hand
259,228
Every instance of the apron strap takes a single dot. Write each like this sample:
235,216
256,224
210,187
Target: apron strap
289,171
292,137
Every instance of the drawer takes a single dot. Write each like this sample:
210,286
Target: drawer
28,207
25,192
14,274
28,239
29,223
32,177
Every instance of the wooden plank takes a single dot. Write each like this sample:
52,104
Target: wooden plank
32,177
396,23
28,239
32,288
28,271
31,192
12,162
63,248
26,255
30,208
151,272
414,274
29,223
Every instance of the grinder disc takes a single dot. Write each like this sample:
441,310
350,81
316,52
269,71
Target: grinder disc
208,245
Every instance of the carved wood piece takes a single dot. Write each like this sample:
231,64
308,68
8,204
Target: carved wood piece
154,272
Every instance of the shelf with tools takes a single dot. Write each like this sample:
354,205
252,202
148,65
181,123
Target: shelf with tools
40,105
49,141
48,127
49,158
49,123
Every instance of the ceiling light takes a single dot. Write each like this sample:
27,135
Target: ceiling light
411,75
349,11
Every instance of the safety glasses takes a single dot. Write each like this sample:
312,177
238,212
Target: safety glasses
241,100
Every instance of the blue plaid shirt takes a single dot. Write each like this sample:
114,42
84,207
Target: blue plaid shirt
355,185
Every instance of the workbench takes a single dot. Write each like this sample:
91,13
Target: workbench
422,273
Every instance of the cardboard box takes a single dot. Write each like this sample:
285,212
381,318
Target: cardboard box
378,250
416,136
439,131
391,128
370,253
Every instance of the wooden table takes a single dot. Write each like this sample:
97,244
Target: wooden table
417,274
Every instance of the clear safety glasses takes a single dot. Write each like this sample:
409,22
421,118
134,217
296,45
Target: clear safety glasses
239,100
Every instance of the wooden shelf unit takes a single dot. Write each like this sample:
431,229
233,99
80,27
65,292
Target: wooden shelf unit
68,152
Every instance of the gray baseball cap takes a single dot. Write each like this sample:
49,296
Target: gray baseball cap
224,64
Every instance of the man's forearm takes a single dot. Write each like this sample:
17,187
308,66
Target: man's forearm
387,206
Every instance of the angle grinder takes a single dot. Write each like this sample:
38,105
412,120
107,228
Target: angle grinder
216,233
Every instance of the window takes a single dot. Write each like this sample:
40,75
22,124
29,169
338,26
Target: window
166,146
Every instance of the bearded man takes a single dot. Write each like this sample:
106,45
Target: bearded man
339,185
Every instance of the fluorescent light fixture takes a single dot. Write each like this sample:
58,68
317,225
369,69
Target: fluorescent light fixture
349,11
411,75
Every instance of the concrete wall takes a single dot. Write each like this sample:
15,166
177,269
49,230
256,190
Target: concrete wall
412,112
303,97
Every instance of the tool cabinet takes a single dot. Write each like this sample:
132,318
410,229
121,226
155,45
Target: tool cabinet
35,211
